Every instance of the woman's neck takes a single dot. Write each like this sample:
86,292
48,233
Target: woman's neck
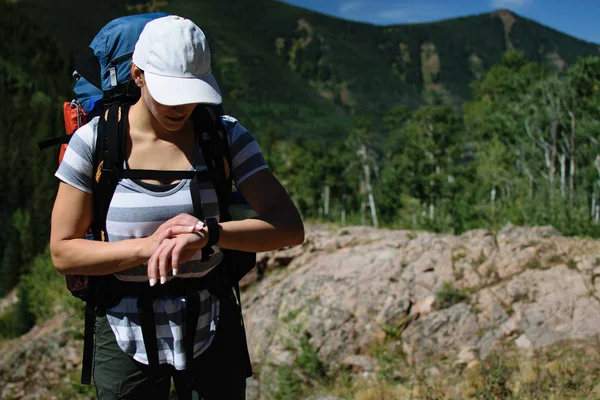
143,122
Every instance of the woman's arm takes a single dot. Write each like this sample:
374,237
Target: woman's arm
278,223
72,254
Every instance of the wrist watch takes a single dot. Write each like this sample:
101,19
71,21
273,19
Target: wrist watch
214,231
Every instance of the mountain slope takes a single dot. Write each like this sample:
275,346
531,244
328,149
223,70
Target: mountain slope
307,72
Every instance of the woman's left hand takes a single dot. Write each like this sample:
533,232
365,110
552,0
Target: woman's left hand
174,251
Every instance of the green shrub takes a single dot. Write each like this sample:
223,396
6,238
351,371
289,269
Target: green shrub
11,325
309,362
288,384
42,292
448,296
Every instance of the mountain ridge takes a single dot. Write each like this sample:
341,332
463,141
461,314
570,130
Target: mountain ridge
308,72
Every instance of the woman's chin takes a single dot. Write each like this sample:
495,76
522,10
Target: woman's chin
173,124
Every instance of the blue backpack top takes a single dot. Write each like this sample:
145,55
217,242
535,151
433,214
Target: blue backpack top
104,70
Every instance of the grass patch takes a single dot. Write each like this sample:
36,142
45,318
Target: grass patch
289,385
449,295
289,317
308,360
555,259
394,330
534,264
568,370
458,256
73,389
490,379
307,374
391,361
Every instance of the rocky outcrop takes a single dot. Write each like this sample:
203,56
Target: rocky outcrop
35,365
458,297
425,296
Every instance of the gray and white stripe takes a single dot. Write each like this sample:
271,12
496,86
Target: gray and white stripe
136,212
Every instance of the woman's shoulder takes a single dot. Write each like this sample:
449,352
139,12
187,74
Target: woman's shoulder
86,134
234,129
229,121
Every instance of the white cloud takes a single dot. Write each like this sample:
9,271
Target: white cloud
393,14
413,11
350,9
512,4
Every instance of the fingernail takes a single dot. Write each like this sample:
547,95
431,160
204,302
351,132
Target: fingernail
152,281
174,272
199,225
163,280
192,228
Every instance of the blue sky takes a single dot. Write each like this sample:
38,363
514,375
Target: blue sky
579,18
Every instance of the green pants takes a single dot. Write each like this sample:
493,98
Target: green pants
218,373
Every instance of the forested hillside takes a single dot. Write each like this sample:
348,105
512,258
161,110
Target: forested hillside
362,124
34,81
306,74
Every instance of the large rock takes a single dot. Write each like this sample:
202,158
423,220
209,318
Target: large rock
351,287
433,296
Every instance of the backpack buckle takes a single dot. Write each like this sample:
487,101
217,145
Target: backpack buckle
114,172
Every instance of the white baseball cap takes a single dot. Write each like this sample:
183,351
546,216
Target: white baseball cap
174,55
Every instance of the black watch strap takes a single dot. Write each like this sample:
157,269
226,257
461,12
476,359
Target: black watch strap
214,231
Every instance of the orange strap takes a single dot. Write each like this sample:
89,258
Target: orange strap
74,117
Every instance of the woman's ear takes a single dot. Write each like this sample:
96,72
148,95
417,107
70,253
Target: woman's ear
138,75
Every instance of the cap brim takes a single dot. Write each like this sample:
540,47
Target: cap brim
171,91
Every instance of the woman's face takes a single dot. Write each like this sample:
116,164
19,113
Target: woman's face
172,118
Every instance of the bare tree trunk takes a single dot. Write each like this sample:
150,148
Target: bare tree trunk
343,213
572,160
554,133
530,170
369,188
596,210
326,201
553,102
548,159
493,202
363,208
563,175
367,171
531,179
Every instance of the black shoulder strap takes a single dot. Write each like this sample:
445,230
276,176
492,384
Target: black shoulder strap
108,161
214,145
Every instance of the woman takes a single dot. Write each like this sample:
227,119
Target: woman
153,235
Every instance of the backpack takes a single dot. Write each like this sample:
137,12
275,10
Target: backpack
103,88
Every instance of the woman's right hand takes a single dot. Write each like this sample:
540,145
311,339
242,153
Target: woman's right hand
182,223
